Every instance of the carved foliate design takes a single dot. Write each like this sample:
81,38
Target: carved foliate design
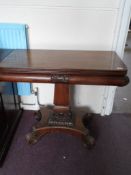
61,119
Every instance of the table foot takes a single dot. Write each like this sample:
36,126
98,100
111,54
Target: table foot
31,138
89,141
38,115
64,122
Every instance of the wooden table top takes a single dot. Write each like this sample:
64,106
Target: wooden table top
106,62
65,62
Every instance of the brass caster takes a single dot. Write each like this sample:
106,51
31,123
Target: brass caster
31,138
89,142
33,128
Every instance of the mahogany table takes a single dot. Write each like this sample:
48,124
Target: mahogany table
63,68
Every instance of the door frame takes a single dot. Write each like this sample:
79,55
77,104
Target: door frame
121,32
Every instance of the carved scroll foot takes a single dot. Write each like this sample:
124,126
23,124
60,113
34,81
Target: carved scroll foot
38,115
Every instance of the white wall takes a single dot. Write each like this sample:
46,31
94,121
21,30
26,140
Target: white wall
68,24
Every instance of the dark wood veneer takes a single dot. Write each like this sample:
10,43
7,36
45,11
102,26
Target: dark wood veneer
69,62
74,79
81,67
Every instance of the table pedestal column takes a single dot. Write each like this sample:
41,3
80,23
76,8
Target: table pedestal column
60,118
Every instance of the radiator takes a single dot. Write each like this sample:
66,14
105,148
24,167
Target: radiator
14,36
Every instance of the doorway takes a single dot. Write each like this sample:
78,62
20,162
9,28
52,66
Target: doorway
122,101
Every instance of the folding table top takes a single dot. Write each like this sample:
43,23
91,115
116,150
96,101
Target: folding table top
106,62
61,62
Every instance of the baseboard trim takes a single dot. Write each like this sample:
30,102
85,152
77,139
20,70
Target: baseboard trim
33,107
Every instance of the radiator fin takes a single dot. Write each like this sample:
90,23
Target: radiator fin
14,36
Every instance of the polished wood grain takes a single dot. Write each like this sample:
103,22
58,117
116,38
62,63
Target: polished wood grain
79,67
61,90
82,80
65,62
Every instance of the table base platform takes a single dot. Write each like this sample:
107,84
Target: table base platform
67,122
